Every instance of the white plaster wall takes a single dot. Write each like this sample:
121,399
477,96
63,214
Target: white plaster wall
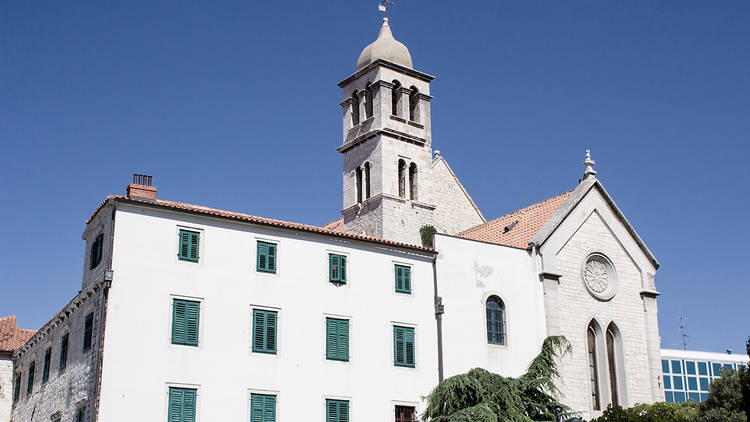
470,271
6,387
140,362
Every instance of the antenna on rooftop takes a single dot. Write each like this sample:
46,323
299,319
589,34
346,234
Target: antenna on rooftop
684,333
383,6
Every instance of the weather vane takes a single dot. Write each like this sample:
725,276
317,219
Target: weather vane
383,6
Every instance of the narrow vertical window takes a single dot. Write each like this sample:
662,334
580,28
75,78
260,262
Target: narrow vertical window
612,358
405,413
45,367
81,414
337,410
188,245
95,254
337,339
402,178
337,268
367,180
17,388
495,321
414,105
30,381
593,370
403,279
368,101
358,176
88,331
403,346
185,322
355,109
262,408
413,181
63,352
396,99
264,331
181,404
266,259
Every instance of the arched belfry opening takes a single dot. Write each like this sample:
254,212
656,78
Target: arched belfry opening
413,183
355,109
358,176
368,101
402,178
396,99
414,104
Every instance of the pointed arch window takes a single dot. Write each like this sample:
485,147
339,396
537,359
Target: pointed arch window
414,104
495,320
593,366
358,175
368,100
612,356
355,109
396,99
413,181
402,178
367,180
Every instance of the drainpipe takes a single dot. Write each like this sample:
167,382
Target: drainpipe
439,311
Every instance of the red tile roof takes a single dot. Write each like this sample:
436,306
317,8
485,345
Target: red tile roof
336,226
181,206
518,227
12,337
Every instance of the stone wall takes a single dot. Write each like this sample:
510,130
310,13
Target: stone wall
6,385
455,210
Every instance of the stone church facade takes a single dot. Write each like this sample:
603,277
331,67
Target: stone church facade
193,313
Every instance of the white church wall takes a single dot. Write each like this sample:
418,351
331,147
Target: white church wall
140,361
468,273
592,227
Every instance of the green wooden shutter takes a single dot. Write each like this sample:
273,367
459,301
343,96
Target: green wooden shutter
343,411
271,332
337,339
181,405
262,408
256,408
259,324
192,315
337,268
399,278
188,245
188,406
409,346
272,257
407,279
337,410
343,343
403,346
403,279
264,331
398,345
331,339
266,257
185,322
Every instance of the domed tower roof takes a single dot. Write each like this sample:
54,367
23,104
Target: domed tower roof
387,48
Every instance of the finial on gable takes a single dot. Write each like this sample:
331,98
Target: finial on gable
589,163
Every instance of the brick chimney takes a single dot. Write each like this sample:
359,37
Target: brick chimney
141,187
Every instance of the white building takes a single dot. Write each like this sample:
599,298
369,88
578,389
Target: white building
191,313
688,373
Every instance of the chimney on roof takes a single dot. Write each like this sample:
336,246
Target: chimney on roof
141,187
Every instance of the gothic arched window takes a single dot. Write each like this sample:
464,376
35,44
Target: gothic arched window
355,108
495,320
593,366
396,98
402,178
367,180
413,181
414,104
368,101
358,175
613,339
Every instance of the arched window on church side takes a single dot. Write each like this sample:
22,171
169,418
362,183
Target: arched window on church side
402,178
612,338
358,173
495,320
413,181
367,180
396,98
355,109
414,104
368,101
593,368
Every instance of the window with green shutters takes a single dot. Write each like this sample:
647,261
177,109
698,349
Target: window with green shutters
264,331
337,410
30,381
17,388
185,320
262,408
403,279
64,352
95,255
337,339
88,331
45,368
188,245
181,405
337,268
403,346
266,261
81,414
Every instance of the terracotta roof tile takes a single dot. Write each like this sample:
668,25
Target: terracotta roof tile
335,226
516,229
12,337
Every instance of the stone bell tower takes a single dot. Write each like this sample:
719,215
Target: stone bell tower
387,143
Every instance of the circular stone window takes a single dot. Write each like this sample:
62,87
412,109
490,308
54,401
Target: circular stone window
599,277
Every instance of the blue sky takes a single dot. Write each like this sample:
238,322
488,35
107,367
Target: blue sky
235,105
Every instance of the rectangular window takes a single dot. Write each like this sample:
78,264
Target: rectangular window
695,397
692,383
45,368
403,279
337,268
81,414
717,369
668,382
405,414
676,367
337,410
30,382
704,384
403,346
264,331
88,331
677,382
669,397
665,366
690,367
181,404
262,408
17,388
702,368
266,261
188,246
64,352
95,255
337,339
185,320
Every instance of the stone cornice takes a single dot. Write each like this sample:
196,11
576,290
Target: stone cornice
649,293
385,132
385,63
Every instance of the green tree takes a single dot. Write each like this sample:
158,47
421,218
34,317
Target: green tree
725,398
481,396
657,412
426,233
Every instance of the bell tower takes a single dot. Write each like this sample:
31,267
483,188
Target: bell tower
387,152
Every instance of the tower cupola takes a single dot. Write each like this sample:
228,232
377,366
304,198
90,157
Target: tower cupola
387,48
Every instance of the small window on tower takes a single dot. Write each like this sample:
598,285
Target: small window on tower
367,180
358,176
414,104
402,178
368,101
95,255
413,181
396,99
355,109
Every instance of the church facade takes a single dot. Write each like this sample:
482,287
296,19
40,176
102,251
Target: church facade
192,313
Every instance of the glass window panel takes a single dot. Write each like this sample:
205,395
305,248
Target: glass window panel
704,384
703,368
677,381
690,367
695,397
669,397
728,366
704,396
679,397
692,384
716,368
668,382
665,366
742,367
676,367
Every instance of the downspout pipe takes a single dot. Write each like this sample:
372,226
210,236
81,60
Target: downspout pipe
439,310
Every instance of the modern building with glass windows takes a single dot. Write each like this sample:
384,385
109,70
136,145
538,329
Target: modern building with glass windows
687,373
